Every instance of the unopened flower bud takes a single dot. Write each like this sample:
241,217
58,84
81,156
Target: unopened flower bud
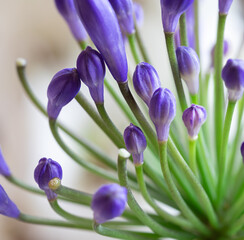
233,76
162,110
171,12
193,118
242,151
225,51
4,169
189,67
124,12
224,6
46,170
67,9
91,68
135,143
103,28
109,202
146,81
139,13
7,207
62,89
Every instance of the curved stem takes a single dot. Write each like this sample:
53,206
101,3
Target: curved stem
192,155
223,154
183,30
131,39
218,86
134,206
175,70
169,218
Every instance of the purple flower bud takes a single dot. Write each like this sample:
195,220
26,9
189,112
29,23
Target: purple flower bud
46,170
225,51
171,11
242,151
233,76
4,169
146,81
124,12
189,67
91,68
135,143
103,28
7,207
62,89
193,118
162,110
139,13
224,6
109,202
67,9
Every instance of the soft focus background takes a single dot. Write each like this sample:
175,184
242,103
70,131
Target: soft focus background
34,30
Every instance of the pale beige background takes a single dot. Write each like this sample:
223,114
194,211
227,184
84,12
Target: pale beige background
33,29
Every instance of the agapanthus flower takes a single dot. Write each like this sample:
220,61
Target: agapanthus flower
67,9
224,6
7,207
124,12
242,150
189,67
146,81
108,202
46,170
193,118
103,28
91,68
233,76
162,110
139,13
4,169
62,89
171,12
135,143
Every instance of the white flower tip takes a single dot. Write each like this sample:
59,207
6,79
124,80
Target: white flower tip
21,62
124,153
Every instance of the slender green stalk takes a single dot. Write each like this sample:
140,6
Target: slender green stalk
203,197
122,234
194,98
119,101
132,43
237,226
56,223
87,165
103,113
124,88
218,87
81,99
134,206
186,211
55,206
175,70
141,45
192,155
223,154
196,27
183,30
169,218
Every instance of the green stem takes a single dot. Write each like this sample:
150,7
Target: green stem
194,98
119,101
87,165
196,27
131,39
124,88
183,30
186,211
141,45
82,44
203,197
169,37
223,154
218,86
192,155
237,225
122,234
134,206
103,113
169,218
43,221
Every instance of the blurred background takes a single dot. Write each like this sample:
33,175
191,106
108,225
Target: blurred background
35,31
